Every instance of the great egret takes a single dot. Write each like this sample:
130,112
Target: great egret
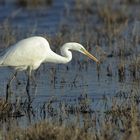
29,53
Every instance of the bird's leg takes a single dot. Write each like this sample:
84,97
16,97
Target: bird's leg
9,85
33,79
28,83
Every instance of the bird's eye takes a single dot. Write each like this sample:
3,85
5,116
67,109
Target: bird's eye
82,50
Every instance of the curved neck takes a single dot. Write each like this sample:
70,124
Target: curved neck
55,58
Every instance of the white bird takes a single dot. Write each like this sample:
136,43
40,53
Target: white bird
30,53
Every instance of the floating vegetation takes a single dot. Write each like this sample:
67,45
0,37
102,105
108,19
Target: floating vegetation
18,109
119,118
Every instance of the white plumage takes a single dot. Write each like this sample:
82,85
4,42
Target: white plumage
31,52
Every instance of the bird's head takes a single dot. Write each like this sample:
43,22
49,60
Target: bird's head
78,47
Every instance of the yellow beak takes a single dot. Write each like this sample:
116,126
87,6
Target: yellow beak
91,56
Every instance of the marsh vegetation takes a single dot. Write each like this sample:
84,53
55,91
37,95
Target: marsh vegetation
79,100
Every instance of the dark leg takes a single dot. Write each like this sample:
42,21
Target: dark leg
28,83
8,90
33,79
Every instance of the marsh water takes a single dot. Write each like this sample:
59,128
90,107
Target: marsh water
65,84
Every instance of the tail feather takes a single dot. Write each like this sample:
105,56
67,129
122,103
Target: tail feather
3,55
1,61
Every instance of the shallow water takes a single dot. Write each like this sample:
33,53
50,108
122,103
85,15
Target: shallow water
60,83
